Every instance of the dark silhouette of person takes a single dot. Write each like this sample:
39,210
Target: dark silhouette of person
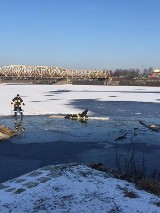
17,102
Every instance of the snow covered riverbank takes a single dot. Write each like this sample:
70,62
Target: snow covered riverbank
73,189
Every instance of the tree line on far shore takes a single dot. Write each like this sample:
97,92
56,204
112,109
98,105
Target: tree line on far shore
131,73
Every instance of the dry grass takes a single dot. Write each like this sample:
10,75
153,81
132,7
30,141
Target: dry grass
149,185
99,167
5,130
128,193
157,203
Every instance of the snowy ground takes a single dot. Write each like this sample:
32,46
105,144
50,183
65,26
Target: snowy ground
73,189
76,189
48,99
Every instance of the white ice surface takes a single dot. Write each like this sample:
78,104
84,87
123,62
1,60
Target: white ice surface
54,99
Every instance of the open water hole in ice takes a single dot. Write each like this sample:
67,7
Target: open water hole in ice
42,129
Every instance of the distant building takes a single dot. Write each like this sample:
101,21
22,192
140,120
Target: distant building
142,70
155,74
156,71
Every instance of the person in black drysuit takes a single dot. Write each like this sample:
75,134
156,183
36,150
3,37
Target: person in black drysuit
18,102
79,116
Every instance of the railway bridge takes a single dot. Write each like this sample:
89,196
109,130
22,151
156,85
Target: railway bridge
46,73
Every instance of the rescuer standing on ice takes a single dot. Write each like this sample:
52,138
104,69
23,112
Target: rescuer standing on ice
18,102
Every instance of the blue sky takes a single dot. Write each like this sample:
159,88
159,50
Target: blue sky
80,34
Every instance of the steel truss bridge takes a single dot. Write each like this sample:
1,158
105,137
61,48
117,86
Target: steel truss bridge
21,72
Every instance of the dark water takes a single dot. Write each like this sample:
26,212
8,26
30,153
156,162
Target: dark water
45,140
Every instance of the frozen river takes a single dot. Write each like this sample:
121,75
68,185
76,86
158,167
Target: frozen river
45,140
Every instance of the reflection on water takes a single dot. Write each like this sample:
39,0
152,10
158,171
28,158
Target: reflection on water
18,124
